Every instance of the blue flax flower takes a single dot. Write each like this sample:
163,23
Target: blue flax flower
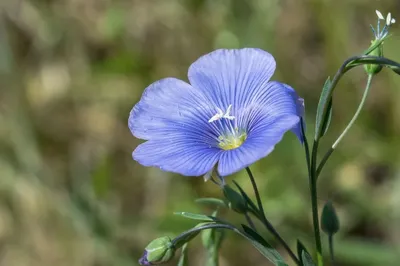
229,116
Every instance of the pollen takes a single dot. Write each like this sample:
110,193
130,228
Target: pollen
230,142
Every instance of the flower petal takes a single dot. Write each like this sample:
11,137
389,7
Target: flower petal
169,107
232,76
260,142
300,109
275,99
178,155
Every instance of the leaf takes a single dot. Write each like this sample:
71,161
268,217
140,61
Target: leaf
212,201
255,235
375,44
321,118
300,249
270,253
306,259
183,259
328,118
195,216
261,245
247,198
281,263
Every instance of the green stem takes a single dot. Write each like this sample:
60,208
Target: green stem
360,106
178,240
261,216
255,188
314,203
357,113
250,222
212,257
306,146
330,239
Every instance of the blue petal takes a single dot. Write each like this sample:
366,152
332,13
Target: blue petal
170,106
300,110
261,140
178,155
232,76
173,117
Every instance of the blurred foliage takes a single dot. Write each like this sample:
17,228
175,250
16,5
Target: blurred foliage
71,70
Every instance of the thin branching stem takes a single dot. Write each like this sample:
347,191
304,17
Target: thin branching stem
261,216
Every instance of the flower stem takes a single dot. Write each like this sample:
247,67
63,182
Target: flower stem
255,188
360,106
250,222
261,216
357,113
212,257
330,239
314,203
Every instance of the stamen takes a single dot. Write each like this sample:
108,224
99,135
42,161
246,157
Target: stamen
220,114
217,116
379,14
226,115
388,19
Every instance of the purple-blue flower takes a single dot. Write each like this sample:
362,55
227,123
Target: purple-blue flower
229,116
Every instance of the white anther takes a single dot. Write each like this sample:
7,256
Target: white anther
388,19
220,114
226,115
217,116
379,14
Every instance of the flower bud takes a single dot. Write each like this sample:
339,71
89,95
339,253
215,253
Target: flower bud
329,220
373,69
159,251
235,199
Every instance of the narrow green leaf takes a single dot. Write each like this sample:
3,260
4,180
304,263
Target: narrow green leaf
250,203
300,249
195,216
183,259
281,263
375,44
255,235
212,201
306,259
261,245
323,100
327,119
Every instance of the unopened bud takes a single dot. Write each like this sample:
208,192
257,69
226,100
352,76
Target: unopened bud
373,69
329,220
159,251
235,199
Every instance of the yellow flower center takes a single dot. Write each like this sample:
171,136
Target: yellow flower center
232,141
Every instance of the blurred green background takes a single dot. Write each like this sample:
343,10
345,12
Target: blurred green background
71,70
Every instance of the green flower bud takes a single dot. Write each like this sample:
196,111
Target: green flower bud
235,199
159,251
329,220
373,69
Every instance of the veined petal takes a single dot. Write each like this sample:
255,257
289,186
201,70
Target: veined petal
274,99
169,107
300,110
178,155
260,142
232,77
